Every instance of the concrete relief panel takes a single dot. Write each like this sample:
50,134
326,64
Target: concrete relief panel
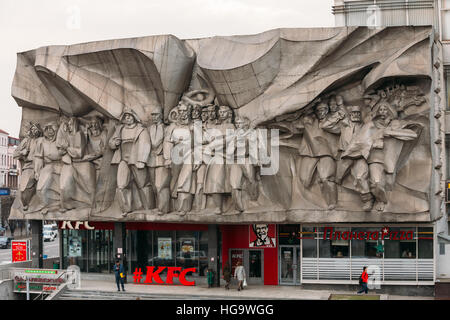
291,125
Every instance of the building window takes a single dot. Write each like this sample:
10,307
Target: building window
336,247
309,242
288,234
75,248
445,19
400,249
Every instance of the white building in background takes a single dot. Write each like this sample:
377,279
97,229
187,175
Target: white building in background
9,167
381,13
4,167
13,165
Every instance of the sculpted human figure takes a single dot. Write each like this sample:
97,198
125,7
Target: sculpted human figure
318,149
77,180
159,172
379,142
216,183
167,151
25,154
47,166
244,159
349,128
97,142
131,143
199,118
181,156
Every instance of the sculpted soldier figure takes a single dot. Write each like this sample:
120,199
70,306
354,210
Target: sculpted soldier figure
25,154
380,142
318,149
159,172
243,152
216,183
131,143
348,129
77,180
47,166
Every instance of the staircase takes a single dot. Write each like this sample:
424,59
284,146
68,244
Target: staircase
108,295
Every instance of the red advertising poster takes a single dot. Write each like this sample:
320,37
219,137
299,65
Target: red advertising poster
262,236
19,250
236,255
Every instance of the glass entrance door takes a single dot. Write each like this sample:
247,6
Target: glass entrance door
253,262
289,265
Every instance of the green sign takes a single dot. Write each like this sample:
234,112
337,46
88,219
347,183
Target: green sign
41,271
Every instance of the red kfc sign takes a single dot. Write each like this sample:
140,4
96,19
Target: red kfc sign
19,250
154,275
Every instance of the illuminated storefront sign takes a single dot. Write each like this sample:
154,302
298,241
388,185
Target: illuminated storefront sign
154,275
39,280
384,234
68,225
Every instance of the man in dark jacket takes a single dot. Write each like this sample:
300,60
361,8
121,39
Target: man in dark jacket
119,272
363,281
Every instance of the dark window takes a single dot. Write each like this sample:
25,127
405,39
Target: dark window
288,234
309,242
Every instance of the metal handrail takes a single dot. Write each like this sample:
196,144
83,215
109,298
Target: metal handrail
42,292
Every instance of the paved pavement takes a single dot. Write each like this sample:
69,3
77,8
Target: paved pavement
251,292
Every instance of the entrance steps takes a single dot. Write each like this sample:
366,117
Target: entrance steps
109,295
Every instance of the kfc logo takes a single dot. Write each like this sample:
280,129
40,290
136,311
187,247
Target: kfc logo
262,236
154,275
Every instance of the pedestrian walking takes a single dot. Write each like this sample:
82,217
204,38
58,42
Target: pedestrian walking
239,274
120,274
210,277
227,275
363,281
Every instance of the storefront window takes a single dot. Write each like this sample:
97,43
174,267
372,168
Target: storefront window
366,248
400,248
309,242
188,255
163,248
100,250
335,248
425,241
75,249
255,263
140,249
288,234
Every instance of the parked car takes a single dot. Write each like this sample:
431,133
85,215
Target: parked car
5,242
49,235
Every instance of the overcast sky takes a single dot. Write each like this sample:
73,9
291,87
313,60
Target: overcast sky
29,24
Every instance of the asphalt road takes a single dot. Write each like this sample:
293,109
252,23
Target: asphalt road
51,249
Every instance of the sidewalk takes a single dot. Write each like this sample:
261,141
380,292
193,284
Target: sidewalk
251,292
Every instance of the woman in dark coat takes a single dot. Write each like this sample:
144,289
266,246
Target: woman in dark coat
227,275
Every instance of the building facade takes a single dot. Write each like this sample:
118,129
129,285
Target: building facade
304,154
435,13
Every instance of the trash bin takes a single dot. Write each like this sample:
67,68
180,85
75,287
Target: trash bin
55,265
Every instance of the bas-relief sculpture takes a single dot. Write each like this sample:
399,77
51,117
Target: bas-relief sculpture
162,129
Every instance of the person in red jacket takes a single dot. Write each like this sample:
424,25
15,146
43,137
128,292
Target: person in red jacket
363,281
